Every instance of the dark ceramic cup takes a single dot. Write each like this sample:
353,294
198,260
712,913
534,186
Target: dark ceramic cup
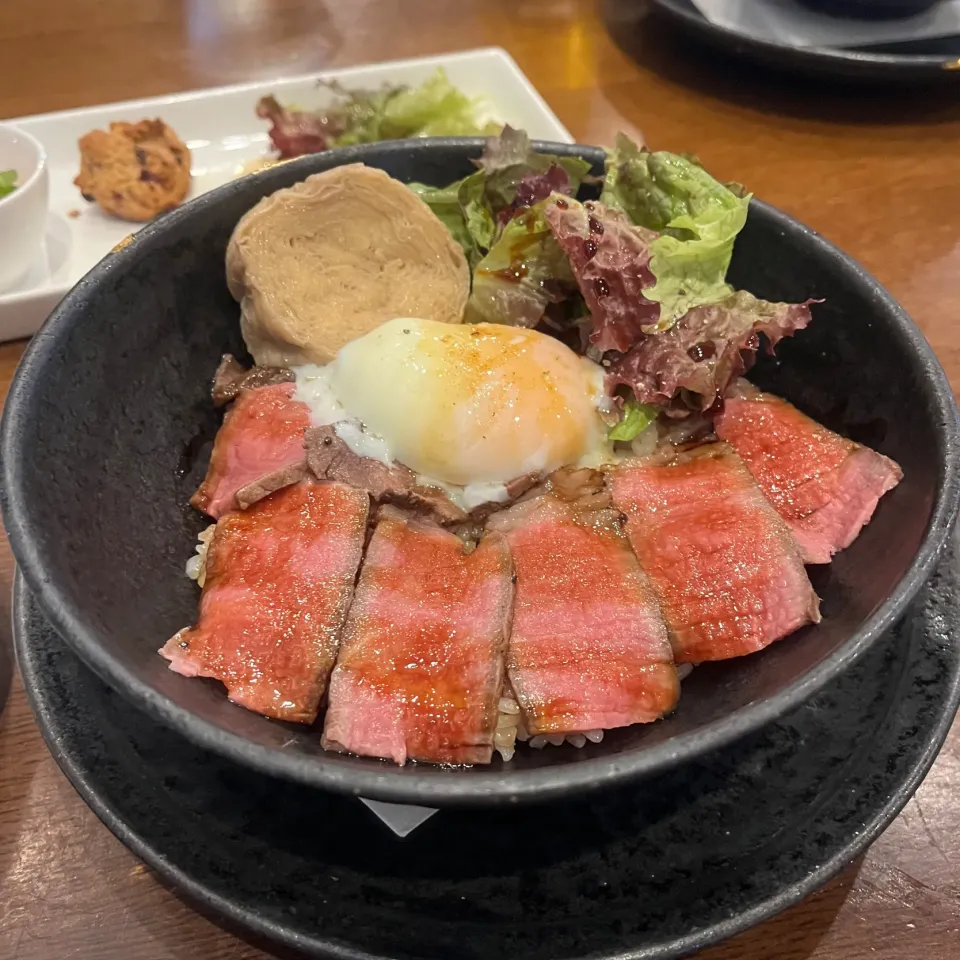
102,445
871,9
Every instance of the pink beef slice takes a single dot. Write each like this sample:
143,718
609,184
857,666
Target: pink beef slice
723,563
278,585
420,669
258,449
824,486
588,648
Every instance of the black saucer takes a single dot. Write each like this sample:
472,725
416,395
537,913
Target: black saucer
907,61
656,870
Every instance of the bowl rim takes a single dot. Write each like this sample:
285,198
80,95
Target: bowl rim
39,166
425,785
893,65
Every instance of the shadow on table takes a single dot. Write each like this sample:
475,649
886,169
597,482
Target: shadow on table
6,666
6,647
21,755
665,49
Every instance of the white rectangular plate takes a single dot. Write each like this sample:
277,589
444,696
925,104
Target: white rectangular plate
223,132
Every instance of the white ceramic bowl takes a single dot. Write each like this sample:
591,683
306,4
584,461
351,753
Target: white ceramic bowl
23,213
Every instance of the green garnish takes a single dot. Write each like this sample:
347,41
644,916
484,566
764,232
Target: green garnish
636,418
8,182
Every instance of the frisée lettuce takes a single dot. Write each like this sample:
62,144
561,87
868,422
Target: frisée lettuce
524,271
435,108
510,178
635,280
697,218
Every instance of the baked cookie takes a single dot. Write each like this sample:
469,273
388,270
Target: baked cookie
135,171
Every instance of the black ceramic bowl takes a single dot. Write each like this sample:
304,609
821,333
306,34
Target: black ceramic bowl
871,9
910,62
101,453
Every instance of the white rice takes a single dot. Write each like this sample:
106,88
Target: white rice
542,740
197,565
511,728
645,443
508,722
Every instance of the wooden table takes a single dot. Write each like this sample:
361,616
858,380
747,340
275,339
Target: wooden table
876,172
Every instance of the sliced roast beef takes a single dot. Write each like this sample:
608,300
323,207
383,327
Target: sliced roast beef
583,486
232,377
723,563
259,445
588,648
420,668
825,486
516,489
264,486
330,458
267,442
279,579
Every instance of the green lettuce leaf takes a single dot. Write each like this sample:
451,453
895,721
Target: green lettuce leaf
436,108
636,418
511,178
524,272
508,148
8,182
359,117
478,214
698,219
463,208
516,175
445,203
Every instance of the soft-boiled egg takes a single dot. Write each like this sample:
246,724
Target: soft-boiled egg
461,404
